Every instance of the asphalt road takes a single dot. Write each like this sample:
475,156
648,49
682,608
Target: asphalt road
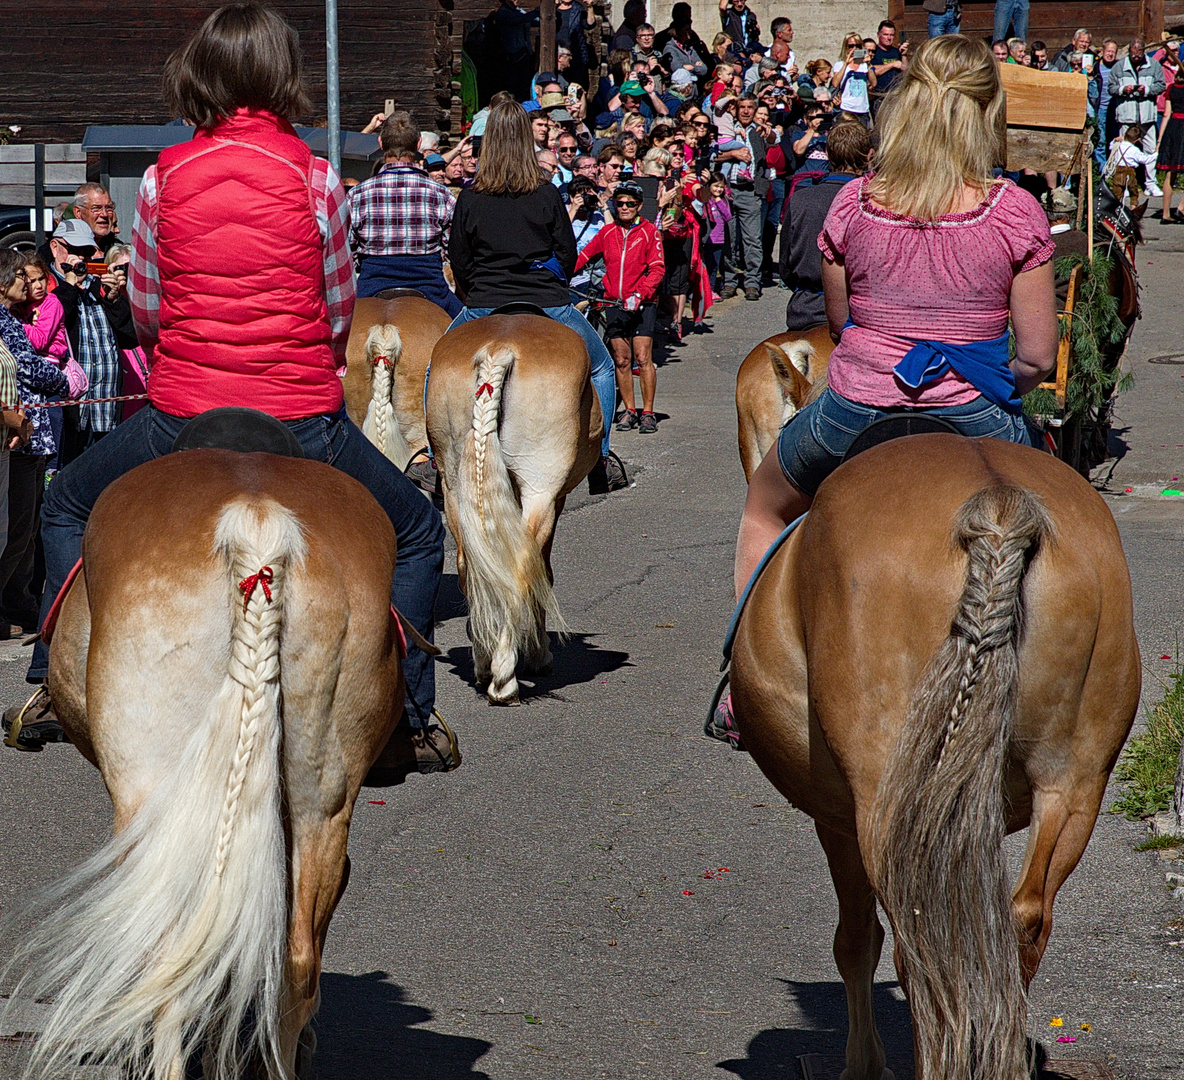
600,891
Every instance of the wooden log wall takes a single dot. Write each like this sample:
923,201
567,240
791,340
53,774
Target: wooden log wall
1053,21
68,65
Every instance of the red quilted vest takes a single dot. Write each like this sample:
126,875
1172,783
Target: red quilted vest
243,319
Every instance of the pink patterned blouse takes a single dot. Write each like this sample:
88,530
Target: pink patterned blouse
945,280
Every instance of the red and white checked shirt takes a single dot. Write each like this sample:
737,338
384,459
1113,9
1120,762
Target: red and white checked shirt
400,212
332,213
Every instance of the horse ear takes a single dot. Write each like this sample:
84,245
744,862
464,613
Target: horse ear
790,366
781,365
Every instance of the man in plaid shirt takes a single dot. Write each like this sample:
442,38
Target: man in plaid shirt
399,221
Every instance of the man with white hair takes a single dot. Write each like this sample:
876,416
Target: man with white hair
1082,40
429,143
1136,82
92,204
766,69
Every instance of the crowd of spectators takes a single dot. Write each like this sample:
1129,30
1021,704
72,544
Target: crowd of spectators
678,169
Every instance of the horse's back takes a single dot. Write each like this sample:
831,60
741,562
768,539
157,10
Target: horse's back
549,419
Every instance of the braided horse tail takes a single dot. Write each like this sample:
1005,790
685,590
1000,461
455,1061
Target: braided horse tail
939,820
506,581
173,938
384,350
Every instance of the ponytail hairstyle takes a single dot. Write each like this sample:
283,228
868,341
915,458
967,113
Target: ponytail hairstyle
941,127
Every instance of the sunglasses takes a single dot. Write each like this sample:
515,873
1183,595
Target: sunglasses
567,149
625,203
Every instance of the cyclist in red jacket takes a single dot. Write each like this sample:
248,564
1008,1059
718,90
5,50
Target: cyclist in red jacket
634,268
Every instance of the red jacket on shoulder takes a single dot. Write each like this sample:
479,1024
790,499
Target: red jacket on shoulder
633,260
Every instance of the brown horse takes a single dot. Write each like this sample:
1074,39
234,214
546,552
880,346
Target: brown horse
390,344
775,380
227,660
514,426
942,653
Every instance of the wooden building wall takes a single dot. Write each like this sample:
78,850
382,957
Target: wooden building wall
1053,21
66,65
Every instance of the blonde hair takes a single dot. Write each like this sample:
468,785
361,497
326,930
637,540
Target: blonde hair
508,165
941,128
656,158
847,37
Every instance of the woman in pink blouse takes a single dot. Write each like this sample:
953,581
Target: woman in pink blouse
926,261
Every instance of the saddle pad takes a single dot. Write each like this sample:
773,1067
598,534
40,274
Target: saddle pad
55,609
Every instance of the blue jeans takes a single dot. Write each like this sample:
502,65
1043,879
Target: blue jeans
604,379
948,22
1013,13
422,272
150,433
811,446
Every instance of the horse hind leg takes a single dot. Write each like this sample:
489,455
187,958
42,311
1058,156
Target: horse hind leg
858,941
1062,822
541,514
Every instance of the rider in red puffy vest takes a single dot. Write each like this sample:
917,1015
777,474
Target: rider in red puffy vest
241,285
232,220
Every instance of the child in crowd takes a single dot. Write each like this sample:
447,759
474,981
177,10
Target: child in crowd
1122,171
45,324
716,211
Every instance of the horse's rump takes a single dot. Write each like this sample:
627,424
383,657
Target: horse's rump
228,662
948,644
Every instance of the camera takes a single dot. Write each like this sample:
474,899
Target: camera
475,145
859,55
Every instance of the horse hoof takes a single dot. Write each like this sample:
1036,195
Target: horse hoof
512,700
546,666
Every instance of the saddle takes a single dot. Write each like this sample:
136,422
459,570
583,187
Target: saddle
248,431
897,426
520,307
395,293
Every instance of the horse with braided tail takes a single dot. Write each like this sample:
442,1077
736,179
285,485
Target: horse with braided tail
227,660
390,343
941,654
514,426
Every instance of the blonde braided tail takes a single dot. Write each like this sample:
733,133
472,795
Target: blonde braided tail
989,615
939,818
258,605
492,363
384,349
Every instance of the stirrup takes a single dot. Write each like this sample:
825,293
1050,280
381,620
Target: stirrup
18,721
453,745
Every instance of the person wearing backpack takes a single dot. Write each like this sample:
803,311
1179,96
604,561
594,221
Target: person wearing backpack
806,206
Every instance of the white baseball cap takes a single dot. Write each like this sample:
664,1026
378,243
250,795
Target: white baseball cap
75,233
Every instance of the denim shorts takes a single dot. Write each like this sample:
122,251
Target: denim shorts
811,446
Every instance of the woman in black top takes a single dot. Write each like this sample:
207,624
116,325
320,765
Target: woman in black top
512,242
1171,143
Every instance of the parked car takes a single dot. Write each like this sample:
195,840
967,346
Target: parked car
14,228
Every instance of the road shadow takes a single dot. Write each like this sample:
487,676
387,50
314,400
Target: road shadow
365,1032
577,660
773,1054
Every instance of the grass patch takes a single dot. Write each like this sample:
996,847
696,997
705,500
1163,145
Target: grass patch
1161,843
1148,764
